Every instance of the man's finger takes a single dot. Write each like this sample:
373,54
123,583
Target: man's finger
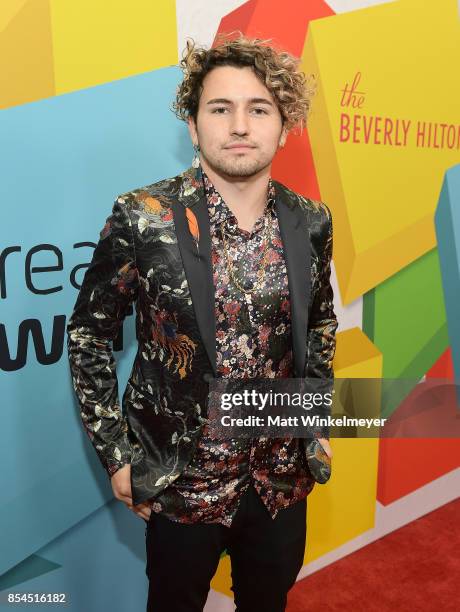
143,509
142,513
126,499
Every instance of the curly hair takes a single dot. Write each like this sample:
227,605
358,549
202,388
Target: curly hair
277,70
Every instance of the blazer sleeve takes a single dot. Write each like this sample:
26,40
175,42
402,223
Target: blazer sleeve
109,286
322,326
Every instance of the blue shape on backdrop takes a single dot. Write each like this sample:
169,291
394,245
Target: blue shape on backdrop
99,564
447,226
63,161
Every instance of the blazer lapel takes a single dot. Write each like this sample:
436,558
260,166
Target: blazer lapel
197,262
198,265
296,245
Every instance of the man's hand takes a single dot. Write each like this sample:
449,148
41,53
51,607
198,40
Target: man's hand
327,447
121,486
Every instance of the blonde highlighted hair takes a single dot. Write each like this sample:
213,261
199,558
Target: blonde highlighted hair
277,70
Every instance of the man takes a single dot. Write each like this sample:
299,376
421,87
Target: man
230,273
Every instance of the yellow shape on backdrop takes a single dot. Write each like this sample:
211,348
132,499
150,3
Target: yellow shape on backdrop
26,53
8,10
356,356
96,41
344,508
385,126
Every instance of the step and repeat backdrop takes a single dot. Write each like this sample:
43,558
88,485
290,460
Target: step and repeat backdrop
85,96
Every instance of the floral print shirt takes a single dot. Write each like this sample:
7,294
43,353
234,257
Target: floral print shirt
253,339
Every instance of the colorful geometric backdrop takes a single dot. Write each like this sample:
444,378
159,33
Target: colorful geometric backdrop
85,94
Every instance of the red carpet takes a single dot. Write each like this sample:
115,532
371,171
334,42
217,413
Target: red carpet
415,568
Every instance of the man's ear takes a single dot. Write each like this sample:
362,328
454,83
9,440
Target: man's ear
192,130
283,137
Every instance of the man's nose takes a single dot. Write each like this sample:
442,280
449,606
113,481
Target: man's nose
240,122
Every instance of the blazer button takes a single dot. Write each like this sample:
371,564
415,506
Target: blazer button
207,377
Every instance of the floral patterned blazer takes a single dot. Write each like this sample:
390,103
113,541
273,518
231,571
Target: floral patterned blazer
148,255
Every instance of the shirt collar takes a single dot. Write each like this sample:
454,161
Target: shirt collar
218,209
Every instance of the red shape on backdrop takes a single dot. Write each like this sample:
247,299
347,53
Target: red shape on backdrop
420,442
407,464
286,23
285,166
444,366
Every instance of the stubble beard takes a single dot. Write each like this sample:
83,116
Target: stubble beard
238,166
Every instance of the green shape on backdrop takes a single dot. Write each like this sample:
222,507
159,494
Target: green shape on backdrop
405,318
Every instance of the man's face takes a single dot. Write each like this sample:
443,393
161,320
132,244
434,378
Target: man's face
236,108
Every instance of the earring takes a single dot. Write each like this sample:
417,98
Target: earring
196,157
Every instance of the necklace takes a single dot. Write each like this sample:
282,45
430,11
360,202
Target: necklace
260,271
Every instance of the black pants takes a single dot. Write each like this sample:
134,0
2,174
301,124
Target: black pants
266,556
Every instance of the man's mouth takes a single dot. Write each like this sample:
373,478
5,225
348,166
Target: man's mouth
239,146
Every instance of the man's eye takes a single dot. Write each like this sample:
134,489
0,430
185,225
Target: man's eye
223,108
